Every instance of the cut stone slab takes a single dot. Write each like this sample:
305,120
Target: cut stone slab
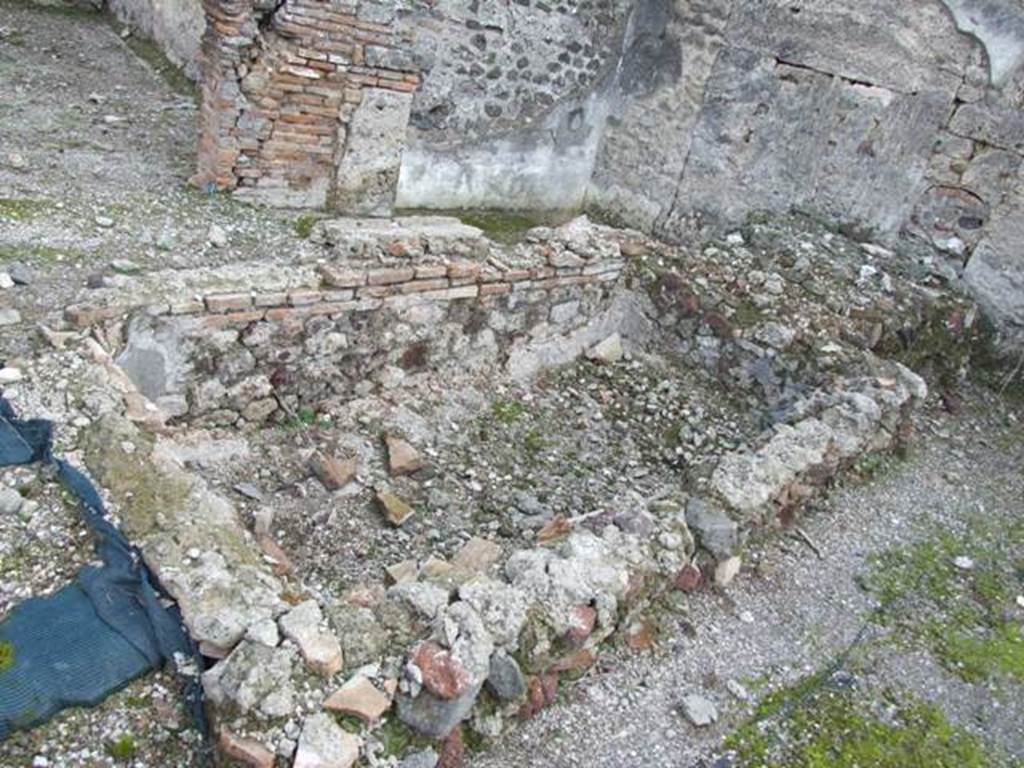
246,751
422,597
608,352
325,744
334,473
10,501
727,570
476,556
433,716
700,711
505,679
426,758
403,459
319,647
363,639
399,573
715,530
437,568
253,677
360,698
265,633
10,375
395,510
502,608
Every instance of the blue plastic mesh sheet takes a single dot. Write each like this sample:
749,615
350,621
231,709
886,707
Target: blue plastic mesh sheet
97,634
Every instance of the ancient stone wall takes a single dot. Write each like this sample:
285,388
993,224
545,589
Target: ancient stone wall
883,118
507,110
397,303
678,117
512,102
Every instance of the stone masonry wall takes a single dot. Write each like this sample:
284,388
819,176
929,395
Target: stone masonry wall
678,117
429,299
886,118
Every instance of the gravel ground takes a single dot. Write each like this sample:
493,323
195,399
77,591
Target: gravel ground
584,440
790,614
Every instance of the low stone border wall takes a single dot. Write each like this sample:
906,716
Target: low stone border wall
480,638
346,289
399,302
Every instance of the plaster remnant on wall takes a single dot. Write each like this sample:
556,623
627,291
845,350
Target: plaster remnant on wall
546,168
175,25
999,26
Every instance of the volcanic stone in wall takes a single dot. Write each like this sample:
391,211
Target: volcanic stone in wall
496,66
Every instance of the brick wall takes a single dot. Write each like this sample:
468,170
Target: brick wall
282,92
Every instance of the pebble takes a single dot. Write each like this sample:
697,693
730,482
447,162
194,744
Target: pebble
10,501
249,490
165,241
10,375
608,351
217,236
125,266
700,711
104,221
737,689
6,281
20,274
963,562
9,317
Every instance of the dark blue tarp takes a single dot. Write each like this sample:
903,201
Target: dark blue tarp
94,636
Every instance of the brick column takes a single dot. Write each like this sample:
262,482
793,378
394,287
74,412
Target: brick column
230,32
280,122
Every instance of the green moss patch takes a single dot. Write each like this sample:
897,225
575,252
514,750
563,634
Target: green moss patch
6,655
22,208
304,225
130,476
397,738
954,592
38,254
508,411
508,227
945,345
814,726
122,748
